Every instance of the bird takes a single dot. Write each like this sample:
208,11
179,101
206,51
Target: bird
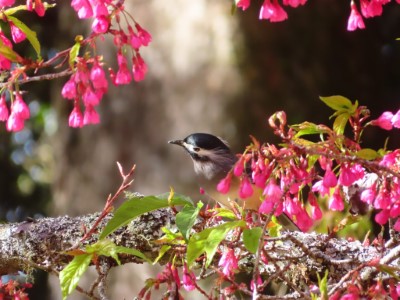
213,160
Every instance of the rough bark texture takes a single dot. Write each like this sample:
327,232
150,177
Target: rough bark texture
295,258
41,243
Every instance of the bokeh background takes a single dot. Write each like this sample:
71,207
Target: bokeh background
209,71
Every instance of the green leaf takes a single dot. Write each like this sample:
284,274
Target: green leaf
274,227
323,285
73,53
110,249
340,123
137,206
186,218
339,103
208,240
9,53
251,238
307,128
12,10
163,250
70,275
30,34
368,154
104,247
225,213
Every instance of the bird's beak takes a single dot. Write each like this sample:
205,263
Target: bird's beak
176,142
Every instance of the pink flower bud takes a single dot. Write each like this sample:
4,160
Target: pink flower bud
272,11
89,97
239,167
382,217
143,35
330,179
3,108
384,121
4,3
243,4
15,123
98,77
100,24
17,34
139,68
335,201
75,119
90,116
224,185
19,107
188,279
355,19
39,8
82,7
69,89
245,190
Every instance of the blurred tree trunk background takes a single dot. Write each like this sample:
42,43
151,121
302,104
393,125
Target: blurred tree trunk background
213,72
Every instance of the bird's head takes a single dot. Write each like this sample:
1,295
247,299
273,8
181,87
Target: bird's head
210,154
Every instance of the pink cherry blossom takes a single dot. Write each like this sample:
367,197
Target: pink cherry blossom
98,77
89,97
245,189
139,68
294,3
17,34
355,19
316,213
188,279
75,119
384,121
335,201
396,119
368,195
371,8
228,262
224,185
382,217
123,75
239,167
90,116
83,8
350,173
243,4
143,35
15,123
4,3
3,108
329,179
396,227
39,8
320,188
69,89
19,107
272,11
101,24
383,199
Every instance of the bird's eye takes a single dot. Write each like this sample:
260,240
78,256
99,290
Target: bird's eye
196,149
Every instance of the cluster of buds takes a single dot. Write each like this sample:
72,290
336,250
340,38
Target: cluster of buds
170,276
88,82
291,179
85,87
271,10
18,113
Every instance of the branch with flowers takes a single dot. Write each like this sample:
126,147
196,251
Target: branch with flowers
315,172
82,61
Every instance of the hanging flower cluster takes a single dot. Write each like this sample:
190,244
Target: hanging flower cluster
273,11
87,83
289,180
